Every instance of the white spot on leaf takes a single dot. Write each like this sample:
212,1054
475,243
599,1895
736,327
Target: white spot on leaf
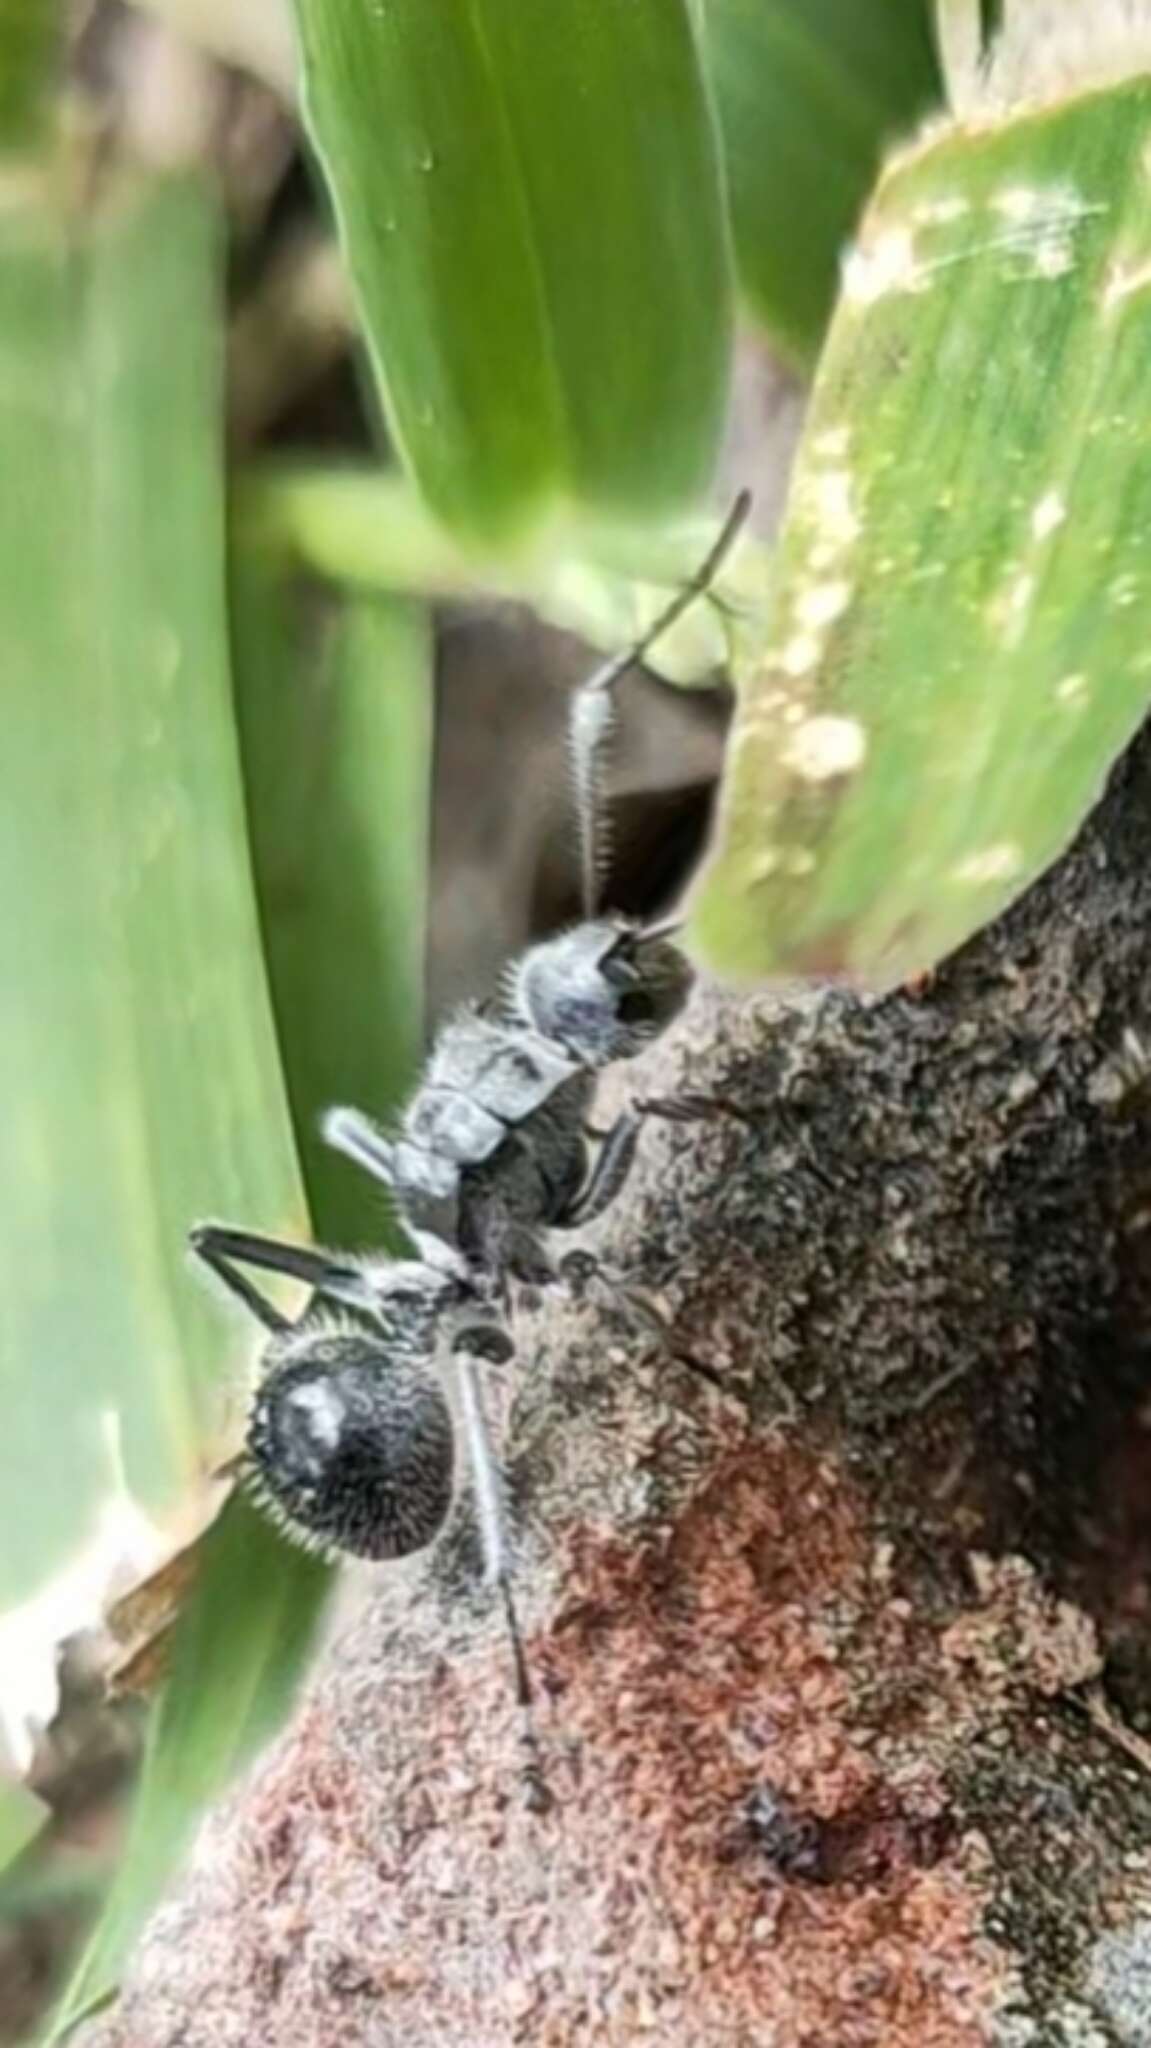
940,211
832,496
1008,611
1123,280
832,444
886,263
1043,205
1044,222
801,654
1052,257
825,746
1049,513
821,603
994,864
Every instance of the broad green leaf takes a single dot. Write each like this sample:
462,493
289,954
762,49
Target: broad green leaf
530,203
136,1040
136,1036
334,700
334,705
959,645
239,1652
807,93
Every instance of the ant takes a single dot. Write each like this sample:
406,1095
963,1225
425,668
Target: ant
350,1441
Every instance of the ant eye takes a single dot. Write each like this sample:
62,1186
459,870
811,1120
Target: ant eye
352,1449
637,1006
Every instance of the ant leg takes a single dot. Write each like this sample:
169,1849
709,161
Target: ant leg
592,712
204,1242
644,1312
581,1270
494,1345
355,1135
616,1157
430,1218
610,1170
219,1247
690,1109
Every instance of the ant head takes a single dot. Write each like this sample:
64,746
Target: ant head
350,1447
604,989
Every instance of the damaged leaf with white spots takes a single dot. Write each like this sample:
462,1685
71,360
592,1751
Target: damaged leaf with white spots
961,605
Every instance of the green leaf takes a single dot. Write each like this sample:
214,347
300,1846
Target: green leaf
136,1039
136,1036
30,38
240,1650
22,1815
807,92
368,529
335,702
959,646
529,200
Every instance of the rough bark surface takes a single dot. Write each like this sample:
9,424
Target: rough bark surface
841,1667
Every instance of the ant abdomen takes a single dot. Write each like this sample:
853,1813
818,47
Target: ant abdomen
350,1448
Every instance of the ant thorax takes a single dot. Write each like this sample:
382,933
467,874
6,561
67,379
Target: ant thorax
491,1151
480,1127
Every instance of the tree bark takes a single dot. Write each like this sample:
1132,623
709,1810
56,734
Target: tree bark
841,1665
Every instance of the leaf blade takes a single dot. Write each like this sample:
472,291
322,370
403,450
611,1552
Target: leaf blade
807,94
143,1096
542,274
334,698
958,604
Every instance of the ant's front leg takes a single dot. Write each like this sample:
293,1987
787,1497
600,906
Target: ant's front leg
616,1156
691,1109
609,1171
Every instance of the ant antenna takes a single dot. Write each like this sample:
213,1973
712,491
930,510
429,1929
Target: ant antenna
592,713
472,1345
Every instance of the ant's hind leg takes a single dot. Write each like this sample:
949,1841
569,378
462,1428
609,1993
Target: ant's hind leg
691,1109
480,1345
